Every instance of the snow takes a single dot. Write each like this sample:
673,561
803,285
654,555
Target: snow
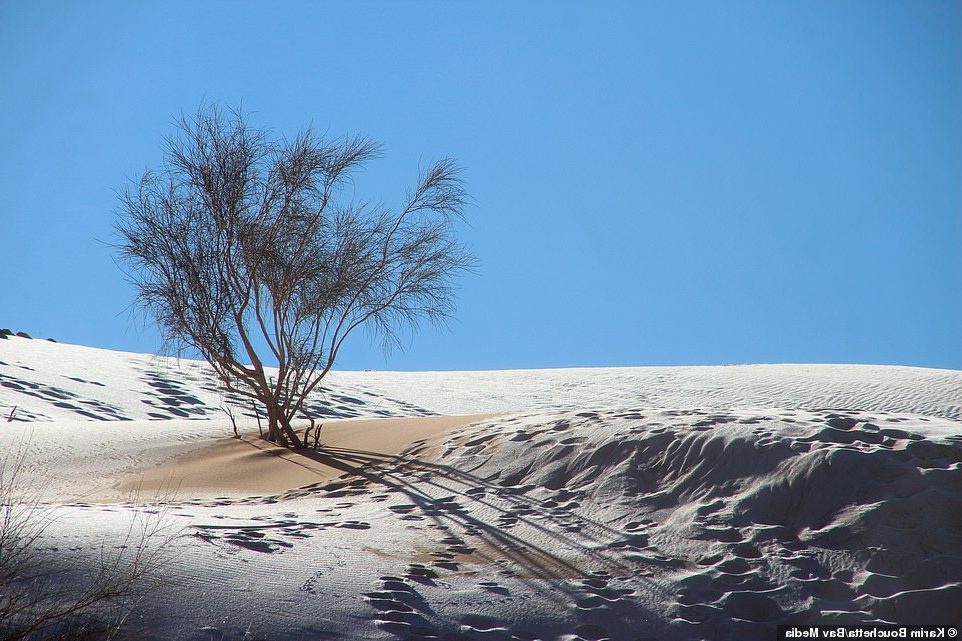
622,503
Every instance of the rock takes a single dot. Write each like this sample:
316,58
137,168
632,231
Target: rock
23,334
5,332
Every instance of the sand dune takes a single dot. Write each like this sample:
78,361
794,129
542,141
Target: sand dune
250,466
635,503
54,381
802,516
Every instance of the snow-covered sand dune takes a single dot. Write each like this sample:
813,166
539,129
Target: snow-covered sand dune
628,503
52,381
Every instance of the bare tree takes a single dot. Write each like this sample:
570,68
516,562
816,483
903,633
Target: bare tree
247,249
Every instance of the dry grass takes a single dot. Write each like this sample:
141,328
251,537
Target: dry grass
45,594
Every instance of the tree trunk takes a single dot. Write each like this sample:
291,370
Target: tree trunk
274,434
279,428
288,432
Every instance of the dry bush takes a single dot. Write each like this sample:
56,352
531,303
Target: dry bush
40,599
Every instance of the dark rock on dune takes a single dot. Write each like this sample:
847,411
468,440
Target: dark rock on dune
5,332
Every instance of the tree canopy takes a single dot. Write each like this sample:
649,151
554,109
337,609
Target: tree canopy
242,240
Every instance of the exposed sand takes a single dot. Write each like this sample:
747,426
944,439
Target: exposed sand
250,466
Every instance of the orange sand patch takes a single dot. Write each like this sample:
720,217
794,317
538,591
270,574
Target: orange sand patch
250,466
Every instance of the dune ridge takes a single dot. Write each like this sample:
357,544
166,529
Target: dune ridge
831,516
56,381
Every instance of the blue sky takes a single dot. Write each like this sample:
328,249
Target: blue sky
654,183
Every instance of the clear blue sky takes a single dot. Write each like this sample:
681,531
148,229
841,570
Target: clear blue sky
655,183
